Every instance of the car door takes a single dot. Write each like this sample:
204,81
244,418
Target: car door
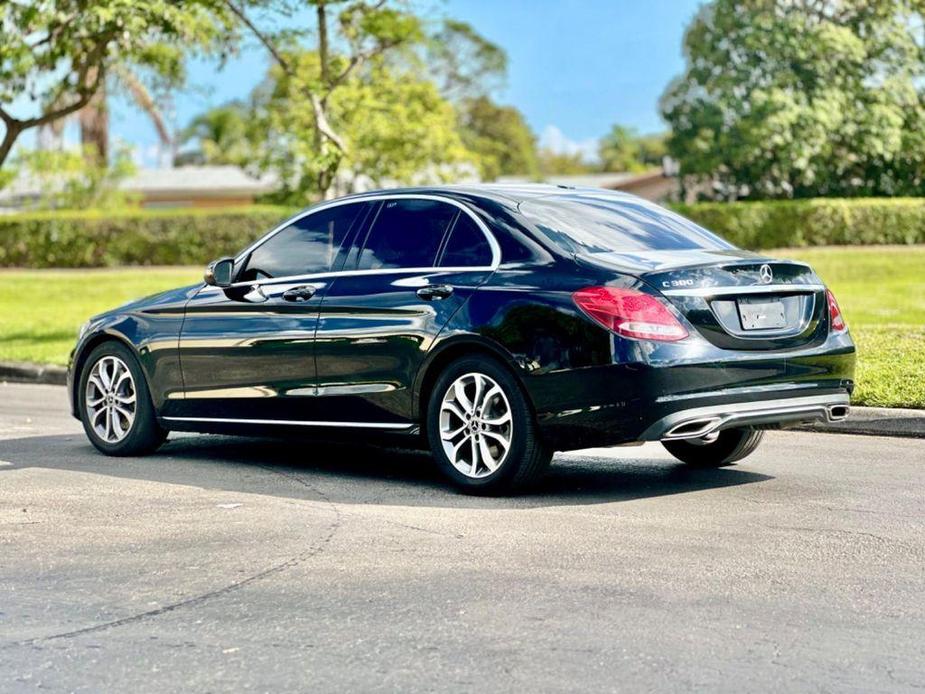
246,351
419,261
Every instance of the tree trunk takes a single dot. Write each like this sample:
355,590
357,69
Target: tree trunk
94,128
9,138
323,53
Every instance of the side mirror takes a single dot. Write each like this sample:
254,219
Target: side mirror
220,272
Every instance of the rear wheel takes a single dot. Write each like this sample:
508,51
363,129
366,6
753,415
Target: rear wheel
115,406
481,429
723,448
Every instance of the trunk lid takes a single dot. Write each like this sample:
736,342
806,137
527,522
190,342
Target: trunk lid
735,299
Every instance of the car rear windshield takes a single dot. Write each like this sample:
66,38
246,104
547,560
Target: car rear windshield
609,224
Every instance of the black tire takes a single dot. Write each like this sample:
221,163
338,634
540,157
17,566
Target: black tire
730,446
526,458
144,435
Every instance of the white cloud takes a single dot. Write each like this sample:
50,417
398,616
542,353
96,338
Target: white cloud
148,156
553,139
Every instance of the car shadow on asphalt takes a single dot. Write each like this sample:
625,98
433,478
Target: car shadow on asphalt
363,474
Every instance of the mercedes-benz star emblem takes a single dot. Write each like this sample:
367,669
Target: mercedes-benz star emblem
765,274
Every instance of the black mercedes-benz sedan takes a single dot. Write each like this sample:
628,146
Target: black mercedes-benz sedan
498,324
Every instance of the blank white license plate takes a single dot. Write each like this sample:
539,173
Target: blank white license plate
761,314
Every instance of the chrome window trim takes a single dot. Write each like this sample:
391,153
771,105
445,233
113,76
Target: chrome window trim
290,279
750,289
374,197
293,422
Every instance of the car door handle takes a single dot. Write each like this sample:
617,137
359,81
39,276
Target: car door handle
303,293
435,292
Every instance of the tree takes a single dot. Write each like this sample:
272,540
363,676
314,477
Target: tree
799,98
56,54
623,149
562,163
360,32
467,65
94,117
652,149
619,150
391,125
70,179
223,135
499,137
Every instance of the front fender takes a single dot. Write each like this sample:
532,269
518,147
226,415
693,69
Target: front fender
151,328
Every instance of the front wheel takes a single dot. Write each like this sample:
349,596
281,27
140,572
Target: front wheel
716,450
115,406
481,429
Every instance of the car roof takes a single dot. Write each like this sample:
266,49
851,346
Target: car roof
501,192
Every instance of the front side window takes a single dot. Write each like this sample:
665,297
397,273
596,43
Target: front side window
306,246
406,234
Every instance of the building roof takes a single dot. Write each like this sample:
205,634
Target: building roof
199,181
216,182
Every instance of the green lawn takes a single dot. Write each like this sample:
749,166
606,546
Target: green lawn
880,289
41,310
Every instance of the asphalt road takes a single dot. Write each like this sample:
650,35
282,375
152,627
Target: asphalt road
230,564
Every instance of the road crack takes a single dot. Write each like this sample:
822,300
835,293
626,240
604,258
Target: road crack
197,600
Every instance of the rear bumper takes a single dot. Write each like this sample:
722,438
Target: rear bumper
701,421
644,400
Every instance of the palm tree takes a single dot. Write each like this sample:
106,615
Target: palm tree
94,117
222,135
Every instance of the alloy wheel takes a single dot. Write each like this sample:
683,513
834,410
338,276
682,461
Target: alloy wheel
110,399
476,425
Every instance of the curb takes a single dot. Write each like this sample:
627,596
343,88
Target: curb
866,421
18,372
876,421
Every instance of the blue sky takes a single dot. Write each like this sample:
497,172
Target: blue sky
575,67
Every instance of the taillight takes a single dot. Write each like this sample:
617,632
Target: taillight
630,313
835,318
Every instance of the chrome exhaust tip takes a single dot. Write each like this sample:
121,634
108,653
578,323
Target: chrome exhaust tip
837,413
693,428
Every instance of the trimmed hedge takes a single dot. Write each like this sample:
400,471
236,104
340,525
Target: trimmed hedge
815,222
132,237
195,236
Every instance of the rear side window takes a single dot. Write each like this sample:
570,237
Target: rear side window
406,233
467,245
306,246
611,224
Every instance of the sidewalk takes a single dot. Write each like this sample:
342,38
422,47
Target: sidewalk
872,421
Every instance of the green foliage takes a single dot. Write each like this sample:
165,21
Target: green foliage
393,126
398,128
189,236
819,222
227,134
130,237
623,149
499,137
562,163
619,150
72,179
802,99
54,54
468,65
